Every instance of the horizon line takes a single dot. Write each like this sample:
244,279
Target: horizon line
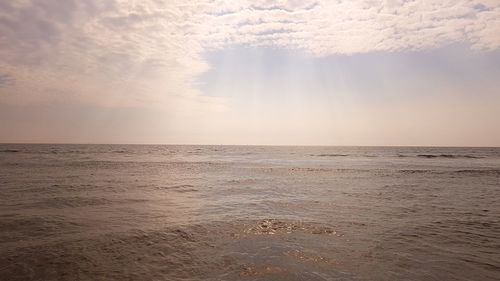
269,145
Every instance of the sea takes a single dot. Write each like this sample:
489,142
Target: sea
188,212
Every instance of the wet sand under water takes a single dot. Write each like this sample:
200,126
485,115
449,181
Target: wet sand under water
237,251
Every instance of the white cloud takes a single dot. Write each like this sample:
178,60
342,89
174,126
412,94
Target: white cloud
148,52
345,27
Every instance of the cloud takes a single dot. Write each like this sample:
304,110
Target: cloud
147,53
346,27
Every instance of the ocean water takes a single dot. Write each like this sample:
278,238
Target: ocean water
148,212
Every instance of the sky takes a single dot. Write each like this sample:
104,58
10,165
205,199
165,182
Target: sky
309,72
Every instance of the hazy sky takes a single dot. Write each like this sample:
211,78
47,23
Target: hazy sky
251,72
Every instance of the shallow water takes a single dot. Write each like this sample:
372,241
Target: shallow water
132,212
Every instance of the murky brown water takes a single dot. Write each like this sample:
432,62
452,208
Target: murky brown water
116,212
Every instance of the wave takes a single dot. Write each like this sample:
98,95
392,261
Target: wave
277,226
182,188
330,155
407,171
10,150
492,172
479,172
448,156
430,156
